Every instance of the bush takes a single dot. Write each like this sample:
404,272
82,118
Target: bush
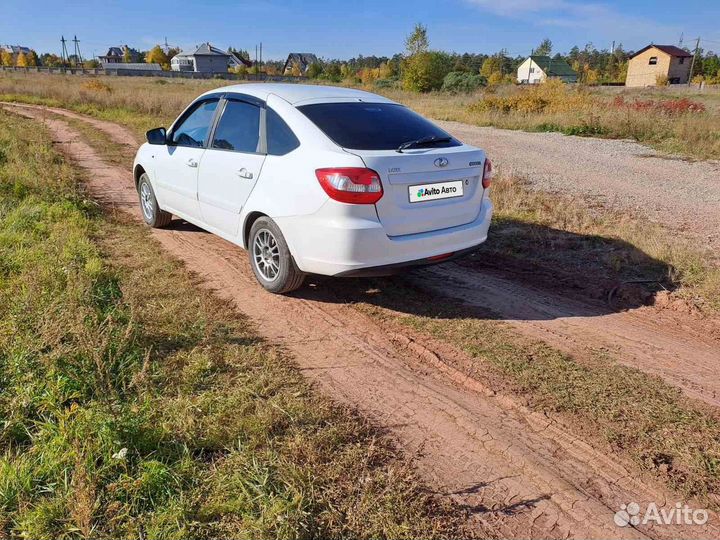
551,96
662,80
425,71
462,81
95,85
392,82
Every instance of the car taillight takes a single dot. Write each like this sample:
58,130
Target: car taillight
487,174
354,185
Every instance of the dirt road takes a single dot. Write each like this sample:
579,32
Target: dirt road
518,472
679,194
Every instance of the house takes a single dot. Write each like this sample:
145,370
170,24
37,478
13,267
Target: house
538,68
116,55
206,59
302,60
15,49
236,61
656,62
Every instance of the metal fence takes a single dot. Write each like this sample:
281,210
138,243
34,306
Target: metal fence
163,74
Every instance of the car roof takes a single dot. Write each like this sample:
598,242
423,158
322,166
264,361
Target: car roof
297,93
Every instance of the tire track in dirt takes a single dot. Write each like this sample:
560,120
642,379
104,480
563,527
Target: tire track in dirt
658,343
518,473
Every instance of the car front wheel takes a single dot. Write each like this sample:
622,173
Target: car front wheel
271,260
151,212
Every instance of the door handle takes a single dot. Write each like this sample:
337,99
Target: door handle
244,173
191,163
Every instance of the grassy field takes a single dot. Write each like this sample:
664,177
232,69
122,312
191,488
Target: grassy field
676,120
133,405
608,246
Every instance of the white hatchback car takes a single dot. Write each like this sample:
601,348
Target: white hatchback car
316,179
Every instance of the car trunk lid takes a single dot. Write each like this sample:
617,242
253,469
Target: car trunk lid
427,189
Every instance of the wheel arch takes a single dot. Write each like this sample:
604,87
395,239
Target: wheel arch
251,218
138,171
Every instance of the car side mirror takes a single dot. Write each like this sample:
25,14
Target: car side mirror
157,136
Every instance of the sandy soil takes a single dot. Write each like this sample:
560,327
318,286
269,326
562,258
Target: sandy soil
518,472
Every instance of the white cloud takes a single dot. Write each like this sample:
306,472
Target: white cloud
594,17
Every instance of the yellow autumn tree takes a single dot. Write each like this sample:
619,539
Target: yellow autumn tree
21,60
6,59
295,71
32,59
157,56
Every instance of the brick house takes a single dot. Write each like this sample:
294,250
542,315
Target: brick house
657,61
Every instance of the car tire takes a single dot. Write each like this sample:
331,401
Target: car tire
270,258
151,212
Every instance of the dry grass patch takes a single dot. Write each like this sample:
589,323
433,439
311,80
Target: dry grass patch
597,248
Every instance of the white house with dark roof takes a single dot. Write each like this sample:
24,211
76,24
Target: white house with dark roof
206,58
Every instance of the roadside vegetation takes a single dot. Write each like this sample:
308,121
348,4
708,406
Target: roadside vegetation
134,405
608,255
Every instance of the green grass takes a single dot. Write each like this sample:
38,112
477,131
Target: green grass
134,405
635,414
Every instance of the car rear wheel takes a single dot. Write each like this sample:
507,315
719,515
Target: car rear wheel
151,212
271,260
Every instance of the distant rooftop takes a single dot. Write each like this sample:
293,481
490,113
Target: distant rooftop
553,67
672,50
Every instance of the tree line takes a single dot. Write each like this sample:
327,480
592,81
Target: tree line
419,68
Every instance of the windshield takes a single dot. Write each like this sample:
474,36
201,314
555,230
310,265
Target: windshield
374,126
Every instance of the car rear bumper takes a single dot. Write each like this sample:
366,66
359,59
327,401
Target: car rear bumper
336,244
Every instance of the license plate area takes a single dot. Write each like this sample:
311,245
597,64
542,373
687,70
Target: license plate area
420,193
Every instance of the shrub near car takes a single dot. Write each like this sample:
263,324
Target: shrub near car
316,179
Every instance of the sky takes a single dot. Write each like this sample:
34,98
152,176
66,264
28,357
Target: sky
368,27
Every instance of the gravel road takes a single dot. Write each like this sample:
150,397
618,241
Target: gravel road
623,175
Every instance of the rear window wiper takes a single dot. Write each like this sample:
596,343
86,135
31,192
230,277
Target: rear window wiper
430,139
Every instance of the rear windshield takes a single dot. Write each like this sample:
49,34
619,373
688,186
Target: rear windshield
372,126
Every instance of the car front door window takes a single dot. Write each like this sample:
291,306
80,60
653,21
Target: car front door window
194,129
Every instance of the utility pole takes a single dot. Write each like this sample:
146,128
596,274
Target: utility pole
260,55
78,56
64,53
682,34
692,65
167,47
612,50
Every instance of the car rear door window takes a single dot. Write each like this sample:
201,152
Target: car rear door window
238,128
280,138
193,130
373,126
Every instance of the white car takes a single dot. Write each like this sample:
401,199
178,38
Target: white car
316,180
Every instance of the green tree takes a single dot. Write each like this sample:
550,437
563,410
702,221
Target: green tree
425,71
314,70
127,57
545,48
417,42
157,56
